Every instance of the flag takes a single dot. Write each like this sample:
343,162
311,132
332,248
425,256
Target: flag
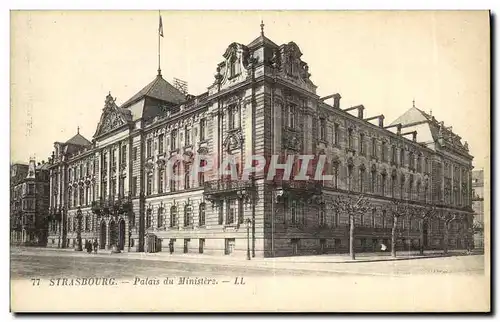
160,28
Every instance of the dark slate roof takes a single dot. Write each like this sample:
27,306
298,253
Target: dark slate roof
78,139
262,40
159,89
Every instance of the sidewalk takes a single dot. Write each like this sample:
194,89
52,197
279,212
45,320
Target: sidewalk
316,262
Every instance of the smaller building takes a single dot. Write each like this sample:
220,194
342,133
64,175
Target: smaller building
478,207
29,203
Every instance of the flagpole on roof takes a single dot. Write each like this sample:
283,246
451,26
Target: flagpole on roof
160,34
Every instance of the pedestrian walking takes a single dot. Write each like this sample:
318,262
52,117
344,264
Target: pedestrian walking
95,246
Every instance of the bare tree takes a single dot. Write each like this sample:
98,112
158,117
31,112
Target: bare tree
352,205
425,214
447,218
398,208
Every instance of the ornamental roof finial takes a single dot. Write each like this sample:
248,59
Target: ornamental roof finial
262,27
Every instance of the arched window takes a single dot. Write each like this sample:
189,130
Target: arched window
384,214
373,182
188,215
173,216
201,215
201,175
374,214
160,219
173,180
87,195
362,174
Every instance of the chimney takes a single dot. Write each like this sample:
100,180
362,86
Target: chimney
414,136
381,121
336,100
399,129
360,111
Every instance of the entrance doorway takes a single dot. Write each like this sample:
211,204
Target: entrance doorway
201,245
295,246
102,241
121,234
322,246
113,238
230,243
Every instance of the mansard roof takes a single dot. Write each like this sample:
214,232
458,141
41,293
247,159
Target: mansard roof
262,41
158,89
438,132
78,139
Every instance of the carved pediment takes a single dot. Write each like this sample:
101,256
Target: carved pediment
111,117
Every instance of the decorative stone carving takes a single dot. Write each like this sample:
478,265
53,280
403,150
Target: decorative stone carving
291,141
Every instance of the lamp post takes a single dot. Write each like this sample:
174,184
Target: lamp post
249,224
79,230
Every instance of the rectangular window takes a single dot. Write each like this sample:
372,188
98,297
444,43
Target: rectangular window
149,186
362,143
220,215
31,189
149,148
232,210
112,188
374,147
383,151
135,154
124,154
161,174
349,139
202,130
291,116
402,157
134,186
231,117
121,187
173,141
187,132
160,143
336,134
393,154
322,129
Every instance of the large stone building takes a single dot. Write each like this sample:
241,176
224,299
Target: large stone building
478,207
29,203
116,187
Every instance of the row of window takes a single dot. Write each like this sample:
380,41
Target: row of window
174,142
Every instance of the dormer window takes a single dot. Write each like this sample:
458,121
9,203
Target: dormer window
232,67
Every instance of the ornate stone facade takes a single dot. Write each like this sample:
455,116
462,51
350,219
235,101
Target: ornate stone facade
262,103
29,204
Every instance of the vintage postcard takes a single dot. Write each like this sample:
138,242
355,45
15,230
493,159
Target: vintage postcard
250,161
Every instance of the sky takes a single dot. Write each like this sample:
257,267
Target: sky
64,63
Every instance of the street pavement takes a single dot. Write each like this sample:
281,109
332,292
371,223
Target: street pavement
48,263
